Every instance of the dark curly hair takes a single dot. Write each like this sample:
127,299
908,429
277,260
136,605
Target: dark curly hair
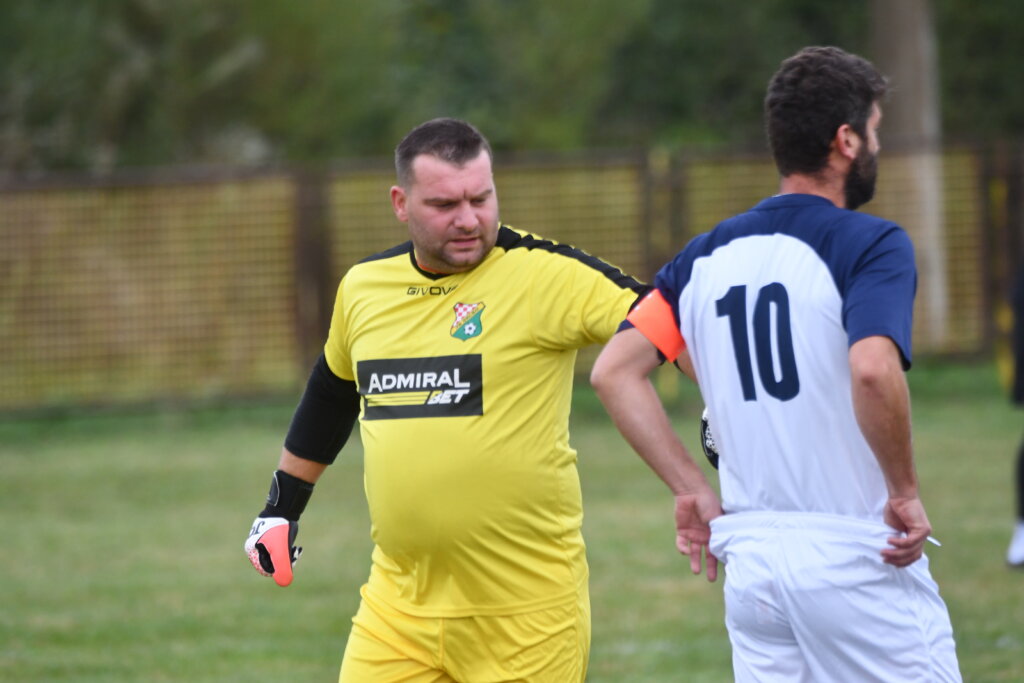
813,93
450,140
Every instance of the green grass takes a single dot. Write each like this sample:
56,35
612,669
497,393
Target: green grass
123,535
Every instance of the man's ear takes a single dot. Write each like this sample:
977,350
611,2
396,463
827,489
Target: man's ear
847,142
398,202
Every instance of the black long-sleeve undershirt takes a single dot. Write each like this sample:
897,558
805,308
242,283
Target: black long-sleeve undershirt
324,417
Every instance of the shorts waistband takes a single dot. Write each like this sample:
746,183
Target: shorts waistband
812,521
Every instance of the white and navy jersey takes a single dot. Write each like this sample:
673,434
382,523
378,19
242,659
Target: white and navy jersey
768,304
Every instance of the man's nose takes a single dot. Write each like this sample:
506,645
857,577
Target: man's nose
464,216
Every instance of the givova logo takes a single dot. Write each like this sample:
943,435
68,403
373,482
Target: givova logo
435,386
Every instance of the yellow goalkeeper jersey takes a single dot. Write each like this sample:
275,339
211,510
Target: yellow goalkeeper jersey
466,382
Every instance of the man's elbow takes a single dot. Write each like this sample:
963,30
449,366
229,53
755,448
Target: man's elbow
869,375
873,363
609,376
622,365
600,378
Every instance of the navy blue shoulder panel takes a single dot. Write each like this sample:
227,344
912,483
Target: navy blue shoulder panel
870,259
837,235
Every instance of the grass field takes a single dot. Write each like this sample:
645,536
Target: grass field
123,561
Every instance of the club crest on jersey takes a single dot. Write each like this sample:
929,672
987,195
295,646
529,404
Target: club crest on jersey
467,320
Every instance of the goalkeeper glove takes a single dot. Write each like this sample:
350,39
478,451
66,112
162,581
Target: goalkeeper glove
271,542
270,548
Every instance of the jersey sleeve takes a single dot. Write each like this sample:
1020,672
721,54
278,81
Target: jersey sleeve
580,300
336,351
880,297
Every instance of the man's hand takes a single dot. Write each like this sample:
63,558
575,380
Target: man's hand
270,548
694,512
906,515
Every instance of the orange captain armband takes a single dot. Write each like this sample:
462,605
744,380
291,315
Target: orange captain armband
653,317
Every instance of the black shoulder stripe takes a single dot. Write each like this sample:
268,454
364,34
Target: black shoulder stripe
510,239
398,250
405,247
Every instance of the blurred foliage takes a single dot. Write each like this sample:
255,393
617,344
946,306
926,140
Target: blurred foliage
981,58
696,71
96,84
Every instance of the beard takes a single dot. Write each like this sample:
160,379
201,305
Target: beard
859,187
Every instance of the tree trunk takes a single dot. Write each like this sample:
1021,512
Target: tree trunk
904,48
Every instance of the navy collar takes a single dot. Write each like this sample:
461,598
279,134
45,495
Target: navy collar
794,199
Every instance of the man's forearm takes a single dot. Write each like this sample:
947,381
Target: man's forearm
621,381
306,470
881,402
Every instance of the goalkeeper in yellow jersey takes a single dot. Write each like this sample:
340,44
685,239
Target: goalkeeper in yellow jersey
455,351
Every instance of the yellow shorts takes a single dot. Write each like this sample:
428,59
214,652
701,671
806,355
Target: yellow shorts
547,646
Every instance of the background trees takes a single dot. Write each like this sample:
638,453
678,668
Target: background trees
96,84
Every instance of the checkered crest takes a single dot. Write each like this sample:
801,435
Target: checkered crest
467,320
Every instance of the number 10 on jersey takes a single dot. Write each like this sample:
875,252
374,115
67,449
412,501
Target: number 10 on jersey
782,382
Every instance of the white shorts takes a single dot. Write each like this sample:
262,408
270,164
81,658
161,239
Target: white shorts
808,598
